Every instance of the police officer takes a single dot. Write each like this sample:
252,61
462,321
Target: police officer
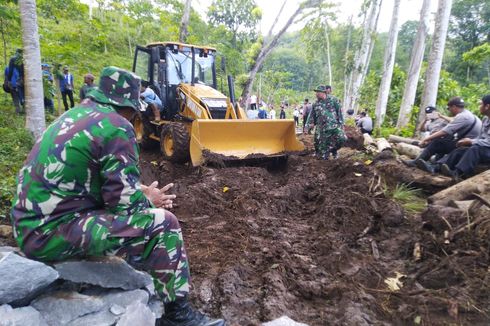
79,195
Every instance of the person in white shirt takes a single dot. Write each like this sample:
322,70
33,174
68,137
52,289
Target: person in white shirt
296,116
272,113
253,102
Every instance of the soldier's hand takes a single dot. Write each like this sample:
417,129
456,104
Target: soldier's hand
167,200
157,196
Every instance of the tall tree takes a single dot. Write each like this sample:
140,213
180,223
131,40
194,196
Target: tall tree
33,85
316,35
184,23
389,62
429,95
271,42
469,26
8,20
239,16
363,56
416,60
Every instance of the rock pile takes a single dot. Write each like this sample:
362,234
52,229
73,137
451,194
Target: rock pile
101,291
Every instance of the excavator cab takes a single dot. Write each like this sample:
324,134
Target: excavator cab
198,120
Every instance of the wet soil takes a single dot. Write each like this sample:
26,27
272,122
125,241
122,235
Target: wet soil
309,240
316,241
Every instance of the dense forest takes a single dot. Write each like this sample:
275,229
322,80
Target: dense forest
288,64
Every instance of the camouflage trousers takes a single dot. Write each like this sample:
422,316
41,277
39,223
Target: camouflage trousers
152,236
328,141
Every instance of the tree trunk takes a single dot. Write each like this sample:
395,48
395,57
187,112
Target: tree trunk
383,145
329,63
429,95
33,84
399,139
411,151
266,49
184,23
363,55
416,59
347,72
463,190
389,62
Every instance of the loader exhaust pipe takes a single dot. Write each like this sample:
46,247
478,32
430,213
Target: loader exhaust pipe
231,89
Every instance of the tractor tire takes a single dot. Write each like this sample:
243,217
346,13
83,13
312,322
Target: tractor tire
174,142
143,129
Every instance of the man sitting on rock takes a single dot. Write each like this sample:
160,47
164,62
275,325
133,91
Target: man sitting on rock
79,194
465,124
470,152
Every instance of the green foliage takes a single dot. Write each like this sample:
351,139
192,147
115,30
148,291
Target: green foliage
478,54
239,16
16,143
469,27
409,198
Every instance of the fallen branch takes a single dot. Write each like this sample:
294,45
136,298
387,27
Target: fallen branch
399,139
411,151
479,184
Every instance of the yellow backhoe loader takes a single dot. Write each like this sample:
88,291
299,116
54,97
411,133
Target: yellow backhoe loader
198,120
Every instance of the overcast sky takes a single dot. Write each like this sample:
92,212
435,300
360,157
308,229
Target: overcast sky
409,10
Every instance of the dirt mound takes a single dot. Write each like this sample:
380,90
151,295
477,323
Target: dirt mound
312,241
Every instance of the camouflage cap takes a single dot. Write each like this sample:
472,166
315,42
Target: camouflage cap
321,89
117,87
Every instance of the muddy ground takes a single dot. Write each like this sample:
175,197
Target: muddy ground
316,241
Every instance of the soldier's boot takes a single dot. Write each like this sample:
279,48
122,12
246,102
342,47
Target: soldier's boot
156,112
180,313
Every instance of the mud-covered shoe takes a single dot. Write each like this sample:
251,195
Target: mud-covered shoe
425,166
181,313
447,171
410,163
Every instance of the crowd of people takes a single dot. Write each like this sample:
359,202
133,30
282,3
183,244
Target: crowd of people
454,145
61,77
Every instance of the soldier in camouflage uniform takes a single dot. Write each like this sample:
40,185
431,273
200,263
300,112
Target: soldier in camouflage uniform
79,194
326,115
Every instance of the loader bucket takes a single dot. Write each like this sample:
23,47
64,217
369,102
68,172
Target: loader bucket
242,139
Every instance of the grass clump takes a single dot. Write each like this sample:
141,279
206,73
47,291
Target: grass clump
409,198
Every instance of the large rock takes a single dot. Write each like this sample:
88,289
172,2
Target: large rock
137,314
25,316
115,305
21,277
283,321
107,272
62,307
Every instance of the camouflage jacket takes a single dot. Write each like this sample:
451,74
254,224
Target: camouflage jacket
327,114
86,160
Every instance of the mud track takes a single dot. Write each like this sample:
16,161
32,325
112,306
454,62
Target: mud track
312,242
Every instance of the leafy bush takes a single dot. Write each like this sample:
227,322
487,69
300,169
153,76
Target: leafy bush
14,147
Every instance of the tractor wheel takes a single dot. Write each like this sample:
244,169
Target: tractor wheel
174,142
143,129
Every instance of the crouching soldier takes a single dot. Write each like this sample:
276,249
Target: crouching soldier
79,195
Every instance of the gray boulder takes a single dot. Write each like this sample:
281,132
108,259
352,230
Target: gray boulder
62,307
137,314
283,321
25,316
116,303
107,272
21,277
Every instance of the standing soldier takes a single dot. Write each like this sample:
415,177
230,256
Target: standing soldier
326,115
79,194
